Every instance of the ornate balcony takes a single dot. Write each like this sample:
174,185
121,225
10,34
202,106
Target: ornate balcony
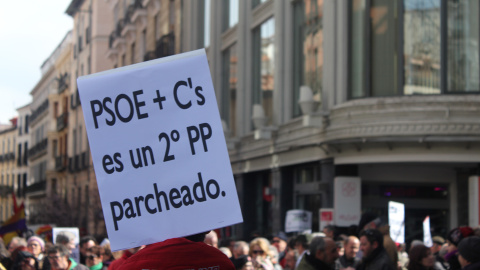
62,121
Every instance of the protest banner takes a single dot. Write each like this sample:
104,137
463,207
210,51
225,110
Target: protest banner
159,150
326,217
298,220
396,220
76,233
347,200
427,235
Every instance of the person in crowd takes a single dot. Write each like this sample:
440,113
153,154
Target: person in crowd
16,242
244,262
329,231
453,239
240,249
349,258
420,258
374,255
66,239
126,254
260,253
59,257
469,253
388,242
5,260
340,248
274,258
94,258
402,256
279,241
177,254
108,257
322,255
438,242
301,245
290,259
36,246
86,242
23,259
226,251
211,239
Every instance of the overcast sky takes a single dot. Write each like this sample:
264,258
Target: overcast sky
30,30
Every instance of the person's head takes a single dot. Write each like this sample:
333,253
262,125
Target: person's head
36,245
420,257
259,247
324,249
469,250
58,257
301,243
370,240
86,242
240,248
243,262
368,221
94,256
329,231
67,239
15,243
290,259
456,235
211,239
226,251
279,241
351,247
438,242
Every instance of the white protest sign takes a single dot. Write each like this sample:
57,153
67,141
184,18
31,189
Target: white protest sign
159,150
427,236
347,200
326,217
298,221
73,231
396,220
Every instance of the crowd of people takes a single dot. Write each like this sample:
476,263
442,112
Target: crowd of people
369,249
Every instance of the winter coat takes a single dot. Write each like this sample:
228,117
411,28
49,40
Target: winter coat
377,260
178,254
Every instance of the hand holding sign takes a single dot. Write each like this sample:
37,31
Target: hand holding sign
154,132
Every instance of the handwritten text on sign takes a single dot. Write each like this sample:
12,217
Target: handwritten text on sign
158,148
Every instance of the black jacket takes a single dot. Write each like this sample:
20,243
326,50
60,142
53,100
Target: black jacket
377,260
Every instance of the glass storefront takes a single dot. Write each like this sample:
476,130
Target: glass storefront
308,49
413,47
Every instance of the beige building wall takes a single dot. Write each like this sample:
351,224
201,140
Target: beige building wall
7,170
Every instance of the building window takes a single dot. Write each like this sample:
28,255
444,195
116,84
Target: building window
463,46
263,67
412,47
230,67
230,16
257,2
308,49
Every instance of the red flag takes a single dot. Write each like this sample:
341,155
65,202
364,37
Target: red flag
15,206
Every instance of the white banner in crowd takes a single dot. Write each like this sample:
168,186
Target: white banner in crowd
159,150
396,220
75,252
326,217
347,201
427,236
298,220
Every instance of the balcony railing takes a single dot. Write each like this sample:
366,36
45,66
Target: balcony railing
60,163
63,82
38,149
62,121
37,186
7,157
38,111
85,160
